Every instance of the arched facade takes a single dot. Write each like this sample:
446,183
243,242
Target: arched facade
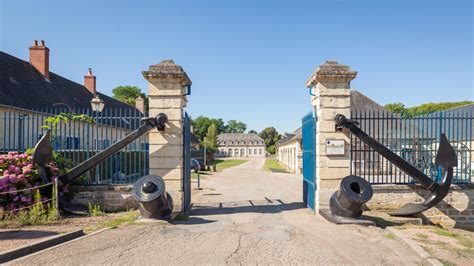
240,145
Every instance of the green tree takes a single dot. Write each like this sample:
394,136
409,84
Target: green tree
128,95
253,132
201,125
426,108
234,126
210,141
271,149
397,108
270,136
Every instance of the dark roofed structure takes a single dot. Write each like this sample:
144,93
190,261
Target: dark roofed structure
362,103
22,86
297,135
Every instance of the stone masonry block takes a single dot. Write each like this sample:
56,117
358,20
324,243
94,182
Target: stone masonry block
167,174
322,91
167,102
329,184
331,102
155,137
166,88
167,162
333,162
332,173
173,114
158,150
326,126
328,114
174,127
334,85
321,137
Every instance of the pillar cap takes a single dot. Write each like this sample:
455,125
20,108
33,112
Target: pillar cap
167,69
331,71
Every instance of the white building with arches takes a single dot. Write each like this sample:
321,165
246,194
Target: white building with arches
240,145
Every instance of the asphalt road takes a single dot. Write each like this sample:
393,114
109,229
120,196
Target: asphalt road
242,216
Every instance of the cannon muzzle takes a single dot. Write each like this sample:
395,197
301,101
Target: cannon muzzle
348,201
154,201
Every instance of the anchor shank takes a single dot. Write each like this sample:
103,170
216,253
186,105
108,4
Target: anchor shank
101,156
403,165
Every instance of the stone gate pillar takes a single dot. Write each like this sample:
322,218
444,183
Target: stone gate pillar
330,86
167,89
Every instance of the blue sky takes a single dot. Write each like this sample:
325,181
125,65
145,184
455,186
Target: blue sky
249,60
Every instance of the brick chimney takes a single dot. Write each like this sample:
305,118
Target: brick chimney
140,104
89,82
39,58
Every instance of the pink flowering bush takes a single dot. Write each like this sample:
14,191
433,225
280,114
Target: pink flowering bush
17,175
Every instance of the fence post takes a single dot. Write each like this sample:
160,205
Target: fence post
330,86
167,89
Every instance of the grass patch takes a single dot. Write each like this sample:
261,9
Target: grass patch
422,236
466,242
446,262
224,164
95,210
125,218
274,166
389,236
202,174
36,214
444,232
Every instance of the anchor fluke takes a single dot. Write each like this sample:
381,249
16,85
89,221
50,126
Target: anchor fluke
447,159
42,155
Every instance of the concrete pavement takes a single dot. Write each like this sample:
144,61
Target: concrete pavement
242,216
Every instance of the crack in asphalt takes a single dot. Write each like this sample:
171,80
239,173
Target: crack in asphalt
237,249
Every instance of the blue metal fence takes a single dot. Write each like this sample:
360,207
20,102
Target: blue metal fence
80,134
309,160
416,139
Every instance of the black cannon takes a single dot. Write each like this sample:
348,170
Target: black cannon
348,201
154,201
446,158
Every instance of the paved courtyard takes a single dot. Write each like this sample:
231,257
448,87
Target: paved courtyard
242,216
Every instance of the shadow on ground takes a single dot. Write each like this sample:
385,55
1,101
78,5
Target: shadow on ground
25,234
249,206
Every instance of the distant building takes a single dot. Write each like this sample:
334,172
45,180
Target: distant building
289,151
240,145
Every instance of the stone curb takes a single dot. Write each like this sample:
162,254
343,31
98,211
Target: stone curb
80,237
38,246
419,251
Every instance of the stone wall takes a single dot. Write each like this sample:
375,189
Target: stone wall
456,210
110,198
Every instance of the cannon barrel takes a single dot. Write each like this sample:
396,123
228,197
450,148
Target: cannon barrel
155,203
348,201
